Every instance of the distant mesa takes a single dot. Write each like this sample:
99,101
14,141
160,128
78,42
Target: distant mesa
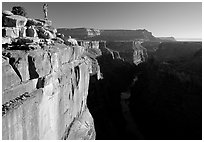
112,35
167,38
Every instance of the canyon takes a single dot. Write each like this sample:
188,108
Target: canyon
113,85
164,102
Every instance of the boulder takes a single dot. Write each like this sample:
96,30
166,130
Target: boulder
46,32
40,29
6,40
42,33
14,21
31,32
49,35
59,40
7,13
45,22
12,32
33,22
60,36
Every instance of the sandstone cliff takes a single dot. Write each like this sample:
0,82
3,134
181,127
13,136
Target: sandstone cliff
44,83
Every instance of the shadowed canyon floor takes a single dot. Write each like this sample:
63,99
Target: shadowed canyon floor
165,101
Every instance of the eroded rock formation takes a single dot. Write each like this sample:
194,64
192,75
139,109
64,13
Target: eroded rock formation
130,51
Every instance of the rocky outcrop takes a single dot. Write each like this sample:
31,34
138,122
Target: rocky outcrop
139,54
110,54
45,85
130,51
89,44
19,30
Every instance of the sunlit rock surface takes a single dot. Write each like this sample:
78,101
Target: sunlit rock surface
44,94
44,83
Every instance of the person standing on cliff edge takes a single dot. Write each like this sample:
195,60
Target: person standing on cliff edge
45,10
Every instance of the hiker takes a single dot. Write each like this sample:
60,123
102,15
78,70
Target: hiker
45,10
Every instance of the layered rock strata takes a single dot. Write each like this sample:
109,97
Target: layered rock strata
44,94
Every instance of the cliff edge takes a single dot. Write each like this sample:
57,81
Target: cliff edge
44,83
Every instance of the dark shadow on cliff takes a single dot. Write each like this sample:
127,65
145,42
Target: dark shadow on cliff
104,98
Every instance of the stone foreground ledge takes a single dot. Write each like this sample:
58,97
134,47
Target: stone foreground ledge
45,92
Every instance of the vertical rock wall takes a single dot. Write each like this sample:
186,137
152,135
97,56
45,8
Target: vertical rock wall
44,94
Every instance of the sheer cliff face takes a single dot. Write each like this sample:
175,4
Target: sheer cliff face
45,81
44,94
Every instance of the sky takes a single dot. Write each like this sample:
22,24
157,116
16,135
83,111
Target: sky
182,20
